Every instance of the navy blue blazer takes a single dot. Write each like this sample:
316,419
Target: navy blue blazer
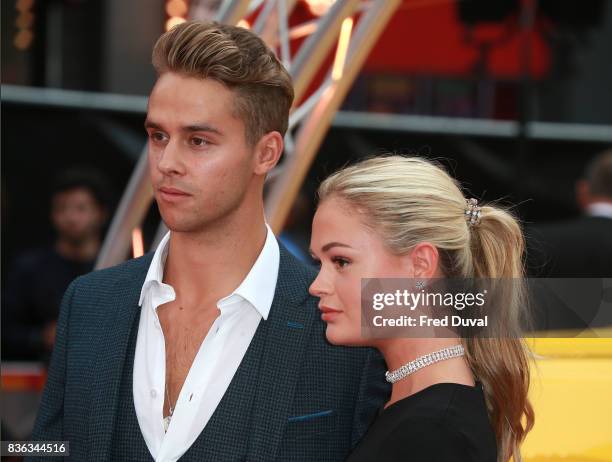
294,396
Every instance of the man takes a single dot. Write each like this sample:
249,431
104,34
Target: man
39,277
580,249
210,349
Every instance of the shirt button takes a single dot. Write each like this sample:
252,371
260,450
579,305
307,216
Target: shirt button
153,393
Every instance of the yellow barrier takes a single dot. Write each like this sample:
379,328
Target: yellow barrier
571,391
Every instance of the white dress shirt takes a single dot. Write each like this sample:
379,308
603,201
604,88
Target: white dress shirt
216,361
600,209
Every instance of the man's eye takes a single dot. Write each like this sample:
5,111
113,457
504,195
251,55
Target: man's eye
199,141
157,136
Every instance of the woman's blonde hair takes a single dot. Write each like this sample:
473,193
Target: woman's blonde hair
408,200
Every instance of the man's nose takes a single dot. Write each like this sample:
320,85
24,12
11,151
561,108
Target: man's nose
170,162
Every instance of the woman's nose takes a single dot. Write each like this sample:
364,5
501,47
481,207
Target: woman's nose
319,286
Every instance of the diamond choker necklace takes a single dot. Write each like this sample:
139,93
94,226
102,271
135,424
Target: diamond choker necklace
423,361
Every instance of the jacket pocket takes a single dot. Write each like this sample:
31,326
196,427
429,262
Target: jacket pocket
312,424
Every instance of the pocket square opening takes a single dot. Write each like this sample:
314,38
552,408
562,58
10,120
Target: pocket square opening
301,418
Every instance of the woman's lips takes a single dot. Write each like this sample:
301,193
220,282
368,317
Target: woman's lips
329,314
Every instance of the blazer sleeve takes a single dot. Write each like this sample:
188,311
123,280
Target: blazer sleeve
49,424
374,392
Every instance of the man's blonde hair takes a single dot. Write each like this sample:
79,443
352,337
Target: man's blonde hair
240,60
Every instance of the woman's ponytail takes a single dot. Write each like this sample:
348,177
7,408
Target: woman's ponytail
501,363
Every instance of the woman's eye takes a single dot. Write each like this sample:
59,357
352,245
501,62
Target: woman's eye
340,262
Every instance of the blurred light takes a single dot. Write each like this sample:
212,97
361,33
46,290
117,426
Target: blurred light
176,8
24,5
24,20
319,7
174,21
137,243
244,24
23,39
303,30
343,43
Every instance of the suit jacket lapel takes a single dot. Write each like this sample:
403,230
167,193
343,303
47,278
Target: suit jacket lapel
110,359
289,325
258,398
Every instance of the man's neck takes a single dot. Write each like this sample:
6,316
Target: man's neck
83,251
209,265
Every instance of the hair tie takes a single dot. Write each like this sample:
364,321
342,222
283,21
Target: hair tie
472,212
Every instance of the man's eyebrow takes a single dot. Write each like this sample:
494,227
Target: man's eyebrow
189,128
150,124
201,128
330,245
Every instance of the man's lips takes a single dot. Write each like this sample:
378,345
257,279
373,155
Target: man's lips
172,194
328,314
173,191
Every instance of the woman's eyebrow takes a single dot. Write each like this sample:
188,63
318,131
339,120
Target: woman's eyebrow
330,245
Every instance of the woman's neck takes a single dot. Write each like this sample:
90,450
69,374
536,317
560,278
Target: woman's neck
398,352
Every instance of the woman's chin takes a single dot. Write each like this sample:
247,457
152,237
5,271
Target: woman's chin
333,336
342,338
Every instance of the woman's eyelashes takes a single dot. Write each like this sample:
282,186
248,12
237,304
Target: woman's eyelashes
340,262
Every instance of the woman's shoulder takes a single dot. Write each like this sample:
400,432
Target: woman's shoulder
445,421
438,402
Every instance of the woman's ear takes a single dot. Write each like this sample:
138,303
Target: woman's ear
423,259
267,152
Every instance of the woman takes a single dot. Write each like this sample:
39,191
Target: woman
399,217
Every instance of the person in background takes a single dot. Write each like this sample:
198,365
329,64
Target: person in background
581,247
39,277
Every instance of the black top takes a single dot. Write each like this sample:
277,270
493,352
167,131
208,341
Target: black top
35,285
443,422
579,248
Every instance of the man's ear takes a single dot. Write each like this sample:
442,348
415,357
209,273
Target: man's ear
423,259
267,152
